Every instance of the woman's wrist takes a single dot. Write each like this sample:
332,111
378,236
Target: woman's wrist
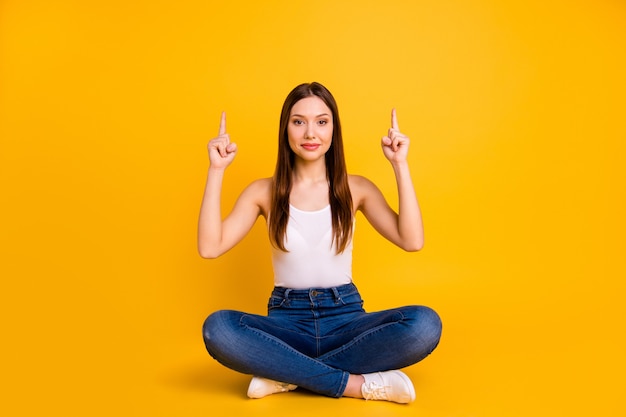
400,166
216,169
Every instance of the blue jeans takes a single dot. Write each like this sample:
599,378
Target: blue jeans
316,338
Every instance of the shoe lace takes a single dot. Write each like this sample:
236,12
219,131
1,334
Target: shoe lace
373,391
282,386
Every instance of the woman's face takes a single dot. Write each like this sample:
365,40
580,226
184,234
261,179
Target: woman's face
310,128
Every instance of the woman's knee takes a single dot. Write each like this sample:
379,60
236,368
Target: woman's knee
218,327
427,327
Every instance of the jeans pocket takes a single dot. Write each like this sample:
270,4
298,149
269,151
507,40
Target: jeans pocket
352,298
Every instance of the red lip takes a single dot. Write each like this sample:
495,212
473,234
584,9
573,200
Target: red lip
311,146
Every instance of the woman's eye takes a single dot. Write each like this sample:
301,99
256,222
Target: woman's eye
323,122
298,122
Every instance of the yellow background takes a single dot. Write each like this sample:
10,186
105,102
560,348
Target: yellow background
516,112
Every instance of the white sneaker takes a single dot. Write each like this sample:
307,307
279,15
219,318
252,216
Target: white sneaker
261,387
388,386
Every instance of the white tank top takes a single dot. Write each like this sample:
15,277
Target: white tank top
312,260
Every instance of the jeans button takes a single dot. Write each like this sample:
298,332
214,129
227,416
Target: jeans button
314,293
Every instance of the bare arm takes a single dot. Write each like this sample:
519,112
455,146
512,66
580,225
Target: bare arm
217,236
405,228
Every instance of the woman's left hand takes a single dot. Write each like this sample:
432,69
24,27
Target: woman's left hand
395,144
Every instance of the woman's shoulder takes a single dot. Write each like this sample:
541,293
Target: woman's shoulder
261,184
260,191
359,183
360,187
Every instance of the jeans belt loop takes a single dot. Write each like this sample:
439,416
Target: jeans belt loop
286,295
336,294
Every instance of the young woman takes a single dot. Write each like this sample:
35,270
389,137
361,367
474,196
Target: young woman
316,335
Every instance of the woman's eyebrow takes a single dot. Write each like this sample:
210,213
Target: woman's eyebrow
319,115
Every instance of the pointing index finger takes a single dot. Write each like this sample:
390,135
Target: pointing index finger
394,120
223,123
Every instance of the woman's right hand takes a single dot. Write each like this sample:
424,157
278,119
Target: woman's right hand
221,150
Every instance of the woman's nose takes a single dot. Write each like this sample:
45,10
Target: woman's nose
309,133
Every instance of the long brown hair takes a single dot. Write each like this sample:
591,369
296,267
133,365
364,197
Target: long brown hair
336,173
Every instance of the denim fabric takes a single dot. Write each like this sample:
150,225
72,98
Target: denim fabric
315,338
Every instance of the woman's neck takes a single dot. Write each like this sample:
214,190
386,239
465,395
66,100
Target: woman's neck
310,172
309,190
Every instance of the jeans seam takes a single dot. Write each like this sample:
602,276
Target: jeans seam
343,385
279,343
357,340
